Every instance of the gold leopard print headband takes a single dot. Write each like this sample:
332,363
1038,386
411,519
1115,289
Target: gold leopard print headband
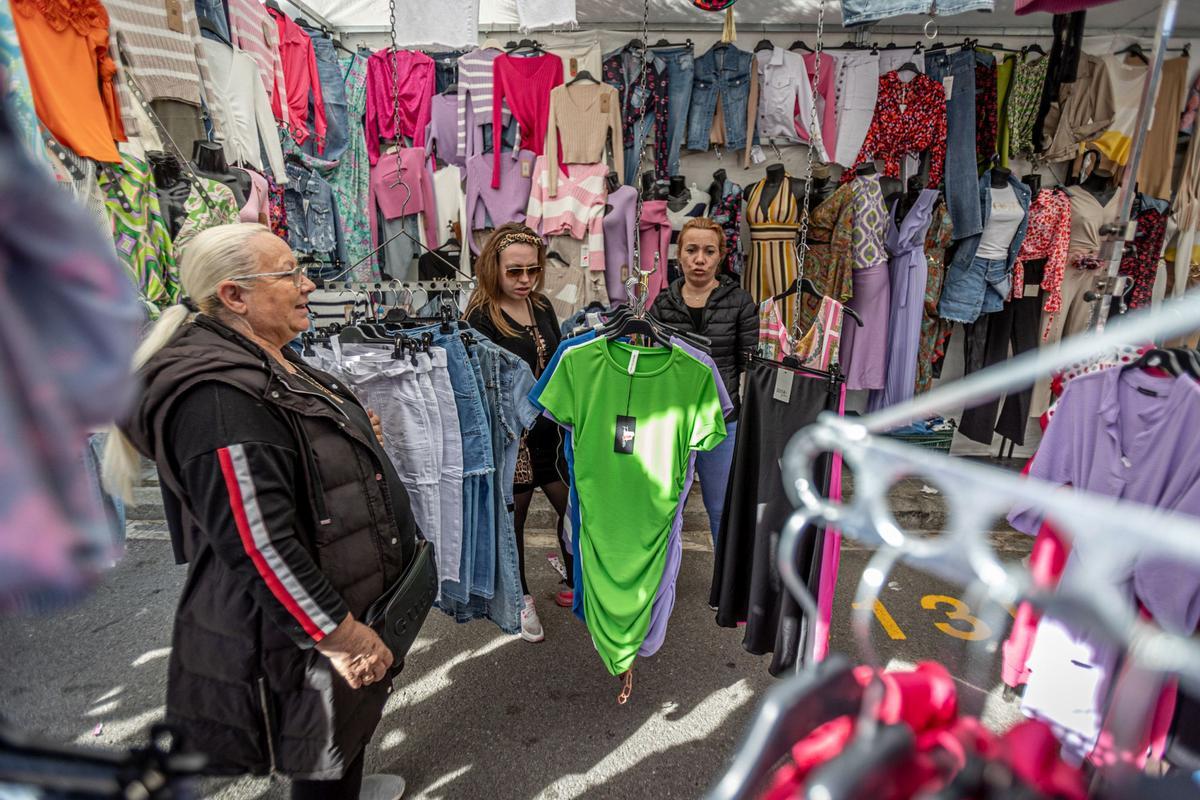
518,237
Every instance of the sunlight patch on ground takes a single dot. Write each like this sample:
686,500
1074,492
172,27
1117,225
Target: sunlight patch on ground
439,679
123,730
151,655
431,791
657,734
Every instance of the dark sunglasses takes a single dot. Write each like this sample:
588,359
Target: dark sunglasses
516,272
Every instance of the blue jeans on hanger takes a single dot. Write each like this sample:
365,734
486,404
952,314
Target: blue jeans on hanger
333,93
962,171
680,70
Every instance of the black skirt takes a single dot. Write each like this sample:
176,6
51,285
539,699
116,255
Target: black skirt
546,456
746,584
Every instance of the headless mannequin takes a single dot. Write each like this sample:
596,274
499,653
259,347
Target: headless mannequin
1034,182
1000,176
678,195
906,201
651,189
771,185
209,160
717,189
171,186
1099,185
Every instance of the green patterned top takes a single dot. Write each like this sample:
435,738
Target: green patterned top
1023,101
139,233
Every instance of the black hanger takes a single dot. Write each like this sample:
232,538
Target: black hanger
1033,48
800,44
615,328
1156,358
635,44
274,6
1135,50
909,66
527,44
353,334
789,712
764,44
1189,360
665,43
582,75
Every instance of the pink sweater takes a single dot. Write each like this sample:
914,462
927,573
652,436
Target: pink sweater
393,200
577,209
415,89
525,83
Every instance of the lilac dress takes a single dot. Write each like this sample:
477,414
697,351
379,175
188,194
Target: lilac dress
864,350
909,273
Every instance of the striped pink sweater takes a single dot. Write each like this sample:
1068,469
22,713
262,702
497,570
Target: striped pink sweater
577,209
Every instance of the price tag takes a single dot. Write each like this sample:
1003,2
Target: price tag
583,255
526,169
948,84
604,102
757,156
626,434
783,385
174,15
574,67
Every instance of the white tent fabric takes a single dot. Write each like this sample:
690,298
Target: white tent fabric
1122,15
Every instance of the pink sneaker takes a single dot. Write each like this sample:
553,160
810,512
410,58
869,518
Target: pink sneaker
565,598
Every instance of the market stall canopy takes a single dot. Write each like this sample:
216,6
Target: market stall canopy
1122,15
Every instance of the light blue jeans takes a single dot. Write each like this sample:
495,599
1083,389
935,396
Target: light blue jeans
713,469
962,170
861,12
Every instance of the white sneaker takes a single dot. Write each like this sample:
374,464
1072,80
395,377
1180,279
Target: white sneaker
531,626
382,787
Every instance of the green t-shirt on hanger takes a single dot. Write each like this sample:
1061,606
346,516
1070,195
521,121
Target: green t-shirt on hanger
636,413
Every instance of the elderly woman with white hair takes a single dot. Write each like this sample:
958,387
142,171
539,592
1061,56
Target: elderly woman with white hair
289,514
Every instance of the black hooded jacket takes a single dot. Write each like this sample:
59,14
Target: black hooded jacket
729,320
289,516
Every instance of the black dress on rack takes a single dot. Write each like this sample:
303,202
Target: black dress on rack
746,584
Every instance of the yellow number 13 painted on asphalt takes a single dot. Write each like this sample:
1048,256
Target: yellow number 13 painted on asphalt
959,612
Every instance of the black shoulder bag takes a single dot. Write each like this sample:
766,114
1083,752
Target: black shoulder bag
398,615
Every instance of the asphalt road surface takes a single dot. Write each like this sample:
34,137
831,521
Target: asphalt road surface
480,714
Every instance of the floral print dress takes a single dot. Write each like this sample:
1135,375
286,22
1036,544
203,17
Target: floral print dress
910,117
351,177
933,329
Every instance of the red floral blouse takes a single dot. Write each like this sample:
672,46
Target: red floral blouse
1048,237
909,118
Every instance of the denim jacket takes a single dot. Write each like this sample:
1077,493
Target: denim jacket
968,246
964,259
724,71
314,227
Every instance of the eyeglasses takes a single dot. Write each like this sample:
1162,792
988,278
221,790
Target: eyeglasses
299,275
516,272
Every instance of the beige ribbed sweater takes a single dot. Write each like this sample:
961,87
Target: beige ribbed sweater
582,115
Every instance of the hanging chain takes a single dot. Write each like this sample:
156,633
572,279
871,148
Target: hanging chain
641,82
814,134
395,56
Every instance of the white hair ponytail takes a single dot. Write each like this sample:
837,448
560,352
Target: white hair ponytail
214,256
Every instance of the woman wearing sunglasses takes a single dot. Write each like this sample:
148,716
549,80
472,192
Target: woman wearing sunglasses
509,308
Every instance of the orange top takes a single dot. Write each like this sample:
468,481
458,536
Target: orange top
65,44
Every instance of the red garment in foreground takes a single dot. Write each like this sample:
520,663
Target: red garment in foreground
925,699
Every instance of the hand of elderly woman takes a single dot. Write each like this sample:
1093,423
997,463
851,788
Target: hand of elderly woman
357,653
376,425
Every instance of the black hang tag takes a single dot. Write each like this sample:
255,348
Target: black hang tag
626,433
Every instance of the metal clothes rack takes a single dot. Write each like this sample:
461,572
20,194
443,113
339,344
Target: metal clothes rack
443,285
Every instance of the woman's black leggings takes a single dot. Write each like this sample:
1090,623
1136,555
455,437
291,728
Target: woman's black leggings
556,493
347,787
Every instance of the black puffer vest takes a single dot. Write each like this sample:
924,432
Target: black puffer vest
239,688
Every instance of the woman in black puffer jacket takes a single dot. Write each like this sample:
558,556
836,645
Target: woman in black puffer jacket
717,307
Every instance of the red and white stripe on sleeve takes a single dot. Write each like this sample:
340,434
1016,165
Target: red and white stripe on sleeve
257,542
